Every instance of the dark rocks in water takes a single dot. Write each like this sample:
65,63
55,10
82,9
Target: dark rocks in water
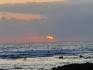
81,56
18,68
61,57
86,66
3,69
48,51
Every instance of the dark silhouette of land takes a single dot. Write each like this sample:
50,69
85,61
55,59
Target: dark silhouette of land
85,66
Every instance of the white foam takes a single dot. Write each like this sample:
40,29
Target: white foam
40,62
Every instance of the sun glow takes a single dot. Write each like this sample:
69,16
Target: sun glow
50,37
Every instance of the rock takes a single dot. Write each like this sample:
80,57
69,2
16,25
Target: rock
86,66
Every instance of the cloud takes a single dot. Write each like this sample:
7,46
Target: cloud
79,1
21,16
66,21
28,1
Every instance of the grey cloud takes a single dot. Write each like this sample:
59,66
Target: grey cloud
66,20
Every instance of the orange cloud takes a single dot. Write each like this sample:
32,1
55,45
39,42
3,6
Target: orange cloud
27,1
21,16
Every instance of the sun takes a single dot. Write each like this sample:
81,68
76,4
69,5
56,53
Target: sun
49,37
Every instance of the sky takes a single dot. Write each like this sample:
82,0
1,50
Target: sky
34,20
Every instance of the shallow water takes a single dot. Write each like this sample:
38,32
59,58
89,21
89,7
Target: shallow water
44,49
36,56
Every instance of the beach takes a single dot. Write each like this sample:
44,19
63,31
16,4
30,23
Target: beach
38,63
44,56
46,34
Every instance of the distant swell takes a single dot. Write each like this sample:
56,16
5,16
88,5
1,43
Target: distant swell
38,53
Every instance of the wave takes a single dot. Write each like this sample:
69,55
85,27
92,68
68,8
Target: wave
39,53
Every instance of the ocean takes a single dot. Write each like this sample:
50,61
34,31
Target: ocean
44,55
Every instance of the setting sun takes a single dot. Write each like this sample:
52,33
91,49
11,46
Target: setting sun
50,37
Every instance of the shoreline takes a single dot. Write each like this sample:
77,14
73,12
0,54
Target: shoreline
39,63
76,66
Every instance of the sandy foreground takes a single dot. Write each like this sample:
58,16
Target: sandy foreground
39,63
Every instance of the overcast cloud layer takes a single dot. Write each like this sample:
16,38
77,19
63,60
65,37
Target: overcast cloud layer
68,20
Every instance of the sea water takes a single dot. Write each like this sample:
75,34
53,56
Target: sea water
44,55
